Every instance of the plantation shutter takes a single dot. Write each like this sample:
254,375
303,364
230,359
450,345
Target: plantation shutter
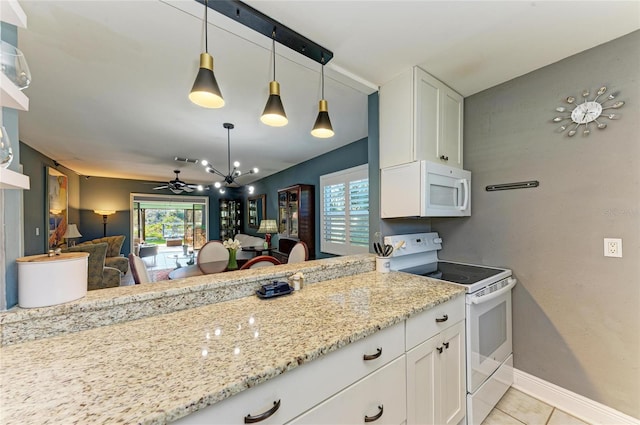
345,211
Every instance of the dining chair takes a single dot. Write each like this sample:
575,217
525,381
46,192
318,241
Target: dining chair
299,253
138,269
260,261
213,257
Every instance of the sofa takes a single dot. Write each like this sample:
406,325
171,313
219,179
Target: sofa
114,258
99,275
247,241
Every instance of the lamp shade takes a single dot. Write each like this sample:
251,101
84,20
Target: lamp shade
322,127
104,212
273,113
205,91
268,226
72,232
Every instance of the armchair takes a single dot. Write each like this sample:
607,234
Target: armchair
99,276
113,258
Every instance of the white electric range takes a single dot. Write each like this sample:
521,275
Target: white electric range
489,359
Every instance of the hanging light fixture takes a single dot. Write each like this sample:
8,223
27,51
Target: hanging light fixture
205,91
273,113
322,128
232,173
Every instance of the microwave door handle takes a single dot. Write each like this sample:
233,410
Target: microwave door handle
465,204
483,299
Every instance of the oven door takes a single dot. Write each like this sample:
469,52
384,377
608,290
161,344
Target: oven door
489,340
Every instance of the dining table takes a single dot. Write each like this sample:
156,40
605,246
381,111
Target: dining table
209,267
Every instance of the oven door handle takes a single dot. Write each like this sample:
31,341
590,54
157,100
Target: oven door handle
484,298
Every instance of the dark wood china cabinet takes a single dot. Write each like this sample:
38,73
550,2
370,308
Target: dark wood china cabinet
296,217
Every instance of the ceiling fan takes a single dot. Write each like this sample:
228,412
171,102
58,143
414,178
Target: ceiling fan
177,186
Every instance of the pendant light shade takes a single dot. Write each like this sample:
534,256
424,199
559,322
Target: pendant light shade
205,91
273,113
322,127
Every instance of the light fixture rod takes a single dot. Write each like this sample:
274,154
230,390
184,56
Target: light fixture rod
206,27
263,24
322,71
273,50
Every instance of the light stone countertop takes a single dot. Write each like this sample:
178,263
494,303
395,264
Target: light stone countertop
153,370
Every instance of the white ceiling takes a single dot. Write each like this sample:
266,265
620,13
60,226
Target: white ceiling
111,78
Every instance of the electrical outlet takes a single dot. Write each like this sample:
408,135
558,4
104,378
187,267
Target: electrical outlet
612,247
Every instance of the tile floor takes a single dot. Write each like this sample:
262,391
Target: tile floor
517,408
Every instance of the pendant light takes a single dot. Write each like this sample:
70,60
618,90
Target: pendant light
273,113
205,91
322,128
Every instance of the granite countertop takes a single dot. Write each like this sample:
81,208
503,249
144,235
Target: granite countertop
157,369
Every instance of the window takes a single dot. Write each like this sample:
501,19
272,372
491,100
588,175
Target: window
344,203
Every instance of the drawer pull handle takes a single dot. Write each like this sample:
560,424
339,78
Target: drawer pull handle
262,416
444,157
373,356
374,417
446,345
439,350
442,319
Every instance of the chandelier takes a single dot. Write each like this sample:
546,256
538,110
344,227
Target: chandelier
228,179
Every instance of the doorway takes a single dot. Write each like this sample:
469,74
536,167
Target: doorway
170,222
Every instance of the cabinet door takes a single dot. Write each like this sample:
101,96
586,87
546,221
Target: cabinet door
451,123
396,121
436,391
428,104
380,397
423,382
452,375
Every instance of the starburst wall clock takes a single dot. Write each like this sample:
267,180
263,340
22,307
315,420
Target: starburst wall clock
587,112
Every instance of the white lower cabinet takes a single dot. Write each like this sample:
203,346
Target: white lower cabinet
378,398
412,372
292,393
436,379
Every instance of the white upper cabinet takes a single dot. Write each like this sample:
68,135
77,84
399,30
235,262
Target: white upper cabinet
420,119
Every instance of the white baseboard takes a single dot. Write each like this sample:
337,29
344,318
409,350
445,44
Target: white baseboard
574,404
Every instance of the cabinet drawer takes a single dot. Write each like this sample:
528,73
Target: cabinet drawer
425,325
302,388
381,394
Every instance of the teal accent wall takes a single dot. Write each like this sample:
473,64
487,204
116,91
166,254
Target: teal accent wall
374,166
308,172
11,200
35,200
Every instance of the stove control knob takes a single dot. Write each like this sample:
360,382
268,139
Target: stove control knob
437,240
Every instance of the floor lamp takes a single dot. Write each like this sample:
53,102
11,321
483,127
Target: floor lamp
104,214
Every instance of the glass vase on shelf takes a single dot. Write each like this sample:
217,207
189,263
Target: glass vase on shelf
6,154
14,65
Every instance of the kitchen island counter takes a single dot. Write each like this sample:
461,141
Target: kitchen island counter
158,369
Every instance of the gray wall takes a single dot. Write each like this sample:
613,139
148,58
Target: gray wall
575,313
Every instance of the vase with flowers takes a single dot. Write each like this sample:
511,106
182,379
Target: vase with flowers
232,245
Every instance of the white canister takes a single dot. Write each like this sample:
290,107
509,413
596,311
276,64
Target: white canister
383,264
45,281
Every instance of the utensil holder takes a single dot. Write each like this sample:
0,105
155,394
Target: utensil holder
383,264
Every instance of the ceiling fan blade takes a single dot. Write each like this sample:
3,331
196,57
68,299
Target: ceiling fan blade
176,190
161,187
187,188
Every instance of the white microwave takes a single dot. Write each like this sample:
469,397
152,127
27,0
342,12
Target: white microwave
424,189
